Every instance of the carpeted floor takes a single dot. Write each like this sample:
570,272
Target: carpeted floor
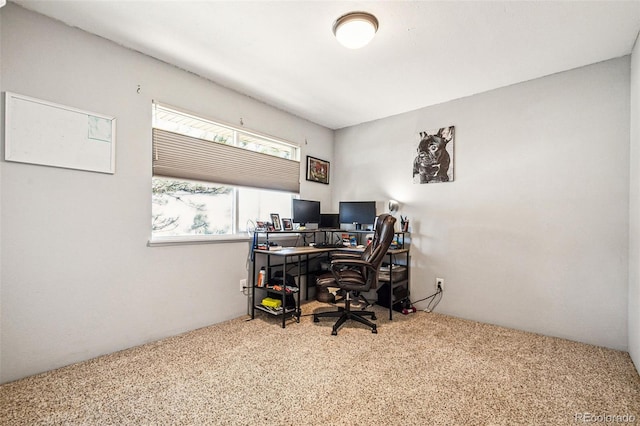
420,369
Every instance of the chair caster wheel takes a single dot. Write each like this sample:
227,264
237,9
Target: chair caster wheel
373,317
334,332
374,330
316,319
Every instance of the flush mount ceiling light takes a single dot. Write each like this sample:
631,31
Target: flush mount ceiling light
355,29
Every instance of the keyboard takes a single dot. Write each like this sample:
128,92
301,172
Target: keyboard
329,245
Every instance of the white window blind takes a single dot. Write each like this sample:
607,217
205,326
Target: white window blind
186,157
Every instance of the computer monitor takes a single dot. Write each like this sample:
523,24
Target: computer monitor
330,220
305,211
358,212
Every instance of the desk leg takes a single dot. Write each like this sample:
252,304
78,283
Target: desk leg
284,292
252,283
306,277
408,281
390,287
298,309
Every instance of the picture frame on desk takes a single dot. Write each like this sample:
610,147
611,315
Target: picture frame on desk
317,170
275,219
287,224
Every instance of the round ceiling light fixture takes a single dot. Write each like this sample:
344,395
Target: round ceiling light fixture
355,29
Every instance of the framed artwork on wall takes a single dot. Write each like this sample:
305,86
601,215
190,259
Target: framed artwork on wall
434,160
317,170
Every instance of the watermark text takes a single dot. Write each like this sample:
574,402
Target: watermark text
604,418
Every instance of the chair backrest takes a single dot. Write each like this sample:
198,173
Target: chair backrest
382,239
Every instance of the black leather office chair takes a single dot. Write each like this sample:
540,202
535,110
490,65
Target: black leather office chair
358,274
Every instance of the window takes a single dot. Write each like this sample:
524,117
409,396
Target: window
214,179
183,207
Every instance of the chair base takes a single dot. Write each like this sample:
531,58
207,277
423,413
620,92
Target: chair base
344,314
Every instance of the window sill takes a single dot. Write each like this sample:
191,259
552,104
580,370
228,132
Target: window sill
190,240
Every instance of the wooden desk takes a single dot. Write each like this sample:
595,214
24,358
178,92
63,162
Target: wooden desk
290,253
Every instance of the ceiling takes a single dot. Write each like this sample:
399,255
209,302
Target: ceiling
284,53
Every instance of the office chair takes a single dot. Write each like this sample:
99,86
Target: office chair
358,274
339,255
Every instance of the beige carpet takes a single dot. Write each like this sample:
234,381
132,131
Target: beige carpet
420,369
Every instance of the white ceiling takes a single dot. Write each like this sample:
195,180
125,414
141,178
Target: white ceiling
425,52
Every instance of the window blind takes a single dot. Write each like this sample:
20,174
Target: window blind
186,157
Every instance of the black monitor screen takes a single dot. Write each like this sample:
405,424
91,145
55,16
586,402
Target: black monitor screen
305,211
329,220
358,212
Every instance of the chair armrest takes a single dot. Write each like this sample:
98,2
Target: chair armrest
339,267
339,263
346,255
347,261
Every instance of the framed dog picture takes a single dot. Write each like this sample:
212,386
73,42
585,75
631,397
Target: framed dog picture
317,170
434,160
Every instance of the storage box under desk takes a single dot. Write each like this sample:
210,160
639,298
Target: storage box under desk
398,273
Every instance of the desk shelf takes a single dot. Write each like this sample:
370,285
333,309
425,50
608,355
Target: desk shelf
312,234
286,293
394,280
397,274
289,311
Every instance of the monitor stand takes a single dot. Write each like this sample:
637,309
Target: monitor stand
358,226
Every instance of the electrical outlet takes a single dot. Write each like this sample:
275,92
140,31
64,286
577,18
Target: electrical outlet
440,283
243,284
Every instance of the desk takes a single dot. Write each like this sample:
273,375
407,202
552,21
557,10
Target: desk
291,253
285,254
301,232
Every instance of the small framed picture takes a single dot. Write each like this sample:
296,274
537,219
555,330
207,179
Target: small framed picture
275,219
317,170
260,226
287,224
